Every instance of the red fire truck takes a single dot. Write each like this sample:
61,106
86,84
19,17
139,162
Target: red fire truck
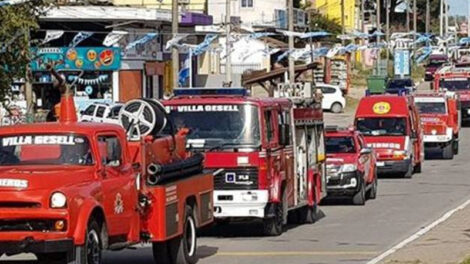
268,154
455,79
440,118
69,190
390,124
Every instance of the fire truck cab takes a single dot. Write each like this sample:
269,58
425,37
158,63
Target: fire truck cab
69,190
440,119
267,154
390,124
455,79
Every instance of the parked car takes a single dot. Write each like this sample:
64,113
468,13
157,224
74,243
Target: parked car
434,63
350,165
398,85
102,113
333,98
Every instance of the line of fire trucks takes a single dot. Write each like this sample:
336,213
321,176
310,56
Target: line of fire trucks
69,189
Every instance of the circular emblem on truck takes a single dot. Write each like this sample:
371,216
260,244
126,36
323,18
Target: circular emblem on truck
381,108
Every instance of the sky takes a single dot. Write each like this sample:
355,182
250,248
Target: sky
458,7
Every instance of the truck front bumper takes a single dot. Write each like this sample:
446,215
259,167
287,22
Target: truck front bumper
393,166
29,245
345,184
231,204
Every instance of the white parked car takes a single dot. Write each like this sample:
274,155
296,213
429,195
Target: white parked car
333,98
102,113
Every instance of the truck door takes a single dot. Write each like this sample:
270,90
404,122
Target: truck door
273,154
118,183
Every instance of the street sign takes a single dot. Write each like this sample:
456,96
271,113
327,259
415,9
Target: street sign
402,64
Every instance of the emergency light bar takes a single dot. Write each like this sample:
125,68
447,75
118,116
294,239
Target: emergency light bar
210,91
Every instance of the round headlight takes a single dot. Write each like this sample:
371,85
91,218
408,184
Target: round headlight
434,132
58,200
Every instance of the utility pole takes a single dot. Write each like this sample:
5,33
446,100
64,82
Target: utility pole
407,15
415,19
441,16
175,58
228,56
363,16
428,16
342,21
468,19
446,8
290,14
387,34
378,36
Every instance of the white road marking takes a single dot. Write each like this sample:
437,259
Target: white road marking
418,234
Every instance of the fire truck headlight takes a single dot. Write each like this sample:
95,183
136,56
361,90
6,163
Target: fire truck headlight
348,168
249,197
353,182
58,200
433,132
400,154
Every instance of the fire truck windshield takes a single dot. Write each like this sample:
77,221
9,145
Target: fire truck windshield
455,84
382,126
339,145
50,149
432,107
218,126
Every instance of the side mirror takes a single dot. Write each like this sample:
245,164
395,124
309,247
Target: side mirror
284,135
366,151
82,112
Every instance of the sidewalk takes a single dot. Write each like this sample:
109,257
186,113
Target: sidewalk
448,242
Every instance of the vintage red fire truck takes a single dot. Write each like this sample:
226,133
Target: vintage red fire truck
350,165
390,124
455,79
69,190
267,153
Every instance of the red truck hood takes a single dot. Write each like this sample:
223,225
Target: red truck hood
339,159
27,178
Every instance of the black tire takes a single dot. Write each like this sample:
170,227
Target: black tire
360,197
183,249
308,214
52,258
275,226
91,252
336,108
161,253
409,173
448,152
418,168
456,147
372,194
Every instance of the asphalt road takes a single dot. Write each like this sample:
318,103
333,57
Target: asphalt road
347,233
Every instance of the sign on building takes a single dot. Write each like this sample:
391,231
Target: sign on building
402,65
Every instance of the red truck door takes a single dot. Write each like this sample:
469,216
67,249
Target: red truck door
273,154
118,183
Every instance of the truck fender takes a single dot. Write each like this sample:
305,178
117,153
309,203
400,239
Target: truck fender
82,220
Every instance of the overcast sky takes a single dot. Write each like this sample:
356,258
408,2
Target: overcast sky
458,7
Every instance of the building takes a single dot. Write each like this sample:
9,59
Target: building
332,10
199,6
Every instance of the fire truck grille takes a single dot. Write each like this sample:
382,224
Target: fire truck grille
36,225
237,179
19,205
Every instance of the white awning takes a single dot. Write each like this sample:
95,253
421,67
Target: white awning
106,13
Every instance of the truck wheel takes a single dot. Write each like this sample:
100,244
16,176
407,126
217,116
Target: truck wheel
418,168
274,226
409,172
308,214
372,194
336,108
456,147
183,249
160,253
92,251
448,152
360,197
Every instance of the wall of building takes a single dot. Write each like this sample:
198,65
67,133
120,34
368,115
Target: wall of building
194,5
332,9
262,11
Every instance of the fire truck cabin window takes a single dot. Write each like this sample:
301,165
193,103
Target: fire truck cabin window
432,107
340,145
377,126
51,149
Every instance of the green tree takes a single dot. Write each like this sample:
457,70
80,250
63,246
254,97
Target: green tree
17,21
321,22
